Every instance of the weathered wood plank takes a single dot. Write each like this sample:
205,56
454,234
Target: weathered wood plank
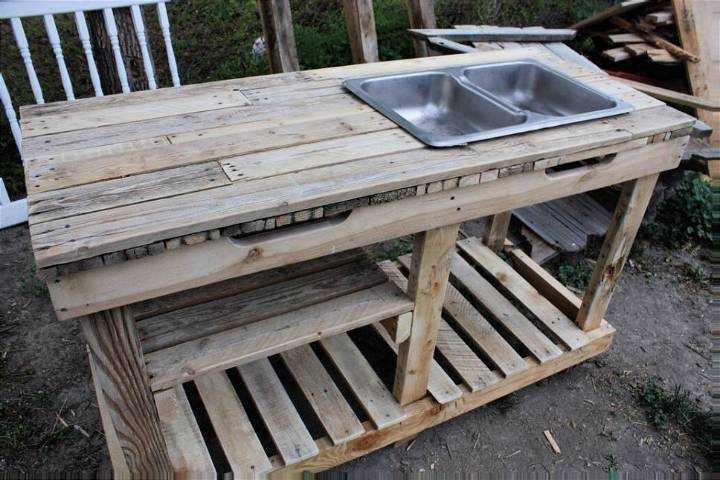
497,34
286,428
279,36
360,20
373,395
232,426
324,397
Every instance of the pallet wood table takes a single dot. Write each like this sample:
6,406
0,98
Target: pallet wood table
208,237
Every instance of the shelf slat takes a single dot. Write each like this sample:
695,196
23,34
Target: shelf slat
377,401
479,330
324,397
232,426
286,428
546,312
503,311
186,447
273,335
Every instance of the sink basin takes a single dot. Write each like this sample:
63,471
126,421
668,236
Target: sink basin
535,88
436,106
454,106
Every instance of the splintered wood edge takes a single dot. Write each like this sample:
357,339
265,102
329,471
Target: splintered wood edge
331,210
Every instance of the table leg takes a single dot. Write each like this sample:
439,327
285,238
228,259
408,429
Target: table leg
621,233
495,239
427,281
128,411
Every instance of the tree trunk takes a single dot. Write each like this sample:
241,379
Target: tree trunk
129,46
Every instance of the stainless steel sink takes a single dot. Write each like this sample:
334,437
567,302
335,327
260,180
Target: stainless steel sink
454,106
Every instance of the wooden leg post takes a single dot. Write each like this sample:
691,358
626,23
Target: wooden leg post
279,36
128,412
421,14
495,239
361,30
427,282
621,233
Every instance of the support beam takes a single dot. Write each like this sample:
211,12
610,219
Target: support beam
421,14
361,30
279,36
495,238
427,282
128,411
621,233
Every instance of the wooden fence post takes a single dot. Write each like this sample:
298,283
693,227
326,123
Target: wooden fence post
361,30
421,14
277,27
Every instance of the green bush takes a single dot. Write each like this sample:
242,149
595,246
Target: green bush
686,216
575,276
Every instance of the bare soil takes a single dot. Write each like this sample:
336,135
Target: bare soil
49,419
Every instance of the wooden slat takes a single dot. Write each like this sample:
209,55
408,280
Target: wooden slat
375,398
331,408
484,336
84,292
472,370
498,230
440,385
273,335
503,311
226,313
610,12
232,426
671,96
497,34
188,454
283,422
546,312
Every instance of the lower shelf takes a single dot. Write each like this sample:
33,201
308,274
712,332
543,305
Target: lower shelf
322,404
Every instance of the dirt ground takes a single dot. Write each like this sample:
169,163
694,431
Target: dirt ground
49,420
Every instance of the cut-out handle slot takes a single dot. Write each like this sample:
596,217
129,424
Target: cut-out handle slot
292,232
579,166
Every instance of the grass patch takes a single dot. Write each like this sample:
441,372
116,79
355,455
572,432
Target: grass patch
685,217
674,408
575,275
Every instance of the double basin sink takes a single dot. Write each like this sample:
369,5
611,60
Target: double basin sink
454,106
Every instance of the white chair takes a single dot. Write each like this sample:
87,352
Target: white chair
12,213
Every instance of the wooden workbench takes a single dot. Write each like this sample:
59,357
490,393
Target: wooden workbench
208,227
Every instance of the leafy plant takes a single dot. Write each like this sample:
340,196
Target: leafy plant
575,276
397,249
686,216
664,407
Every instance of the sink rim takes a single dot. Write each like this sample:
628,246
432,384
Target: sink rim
533,121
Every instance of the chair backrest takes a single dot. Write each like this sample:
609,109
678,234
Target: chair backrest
16,10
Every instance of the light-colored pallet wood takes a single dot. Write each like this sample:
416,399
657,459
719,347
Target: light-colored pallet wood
386,421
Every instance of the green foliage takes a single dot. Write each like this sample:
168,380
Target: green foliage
676,407
397,248
685,217
575,276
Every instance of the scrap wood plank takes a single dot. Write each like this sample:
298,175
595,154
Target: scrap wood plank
277,411
554,319
671,96
656,40
188,454
697,22
496,34
479,330
375,398
232,426
324,397
503,311
610,12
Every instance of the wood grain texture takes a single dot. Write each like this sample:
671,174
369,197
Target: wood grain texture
123,384
360,20
331,408
421,14
426,288
209,262
498,231
625,223
232,426
371,393
279,36
283,422
186,446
